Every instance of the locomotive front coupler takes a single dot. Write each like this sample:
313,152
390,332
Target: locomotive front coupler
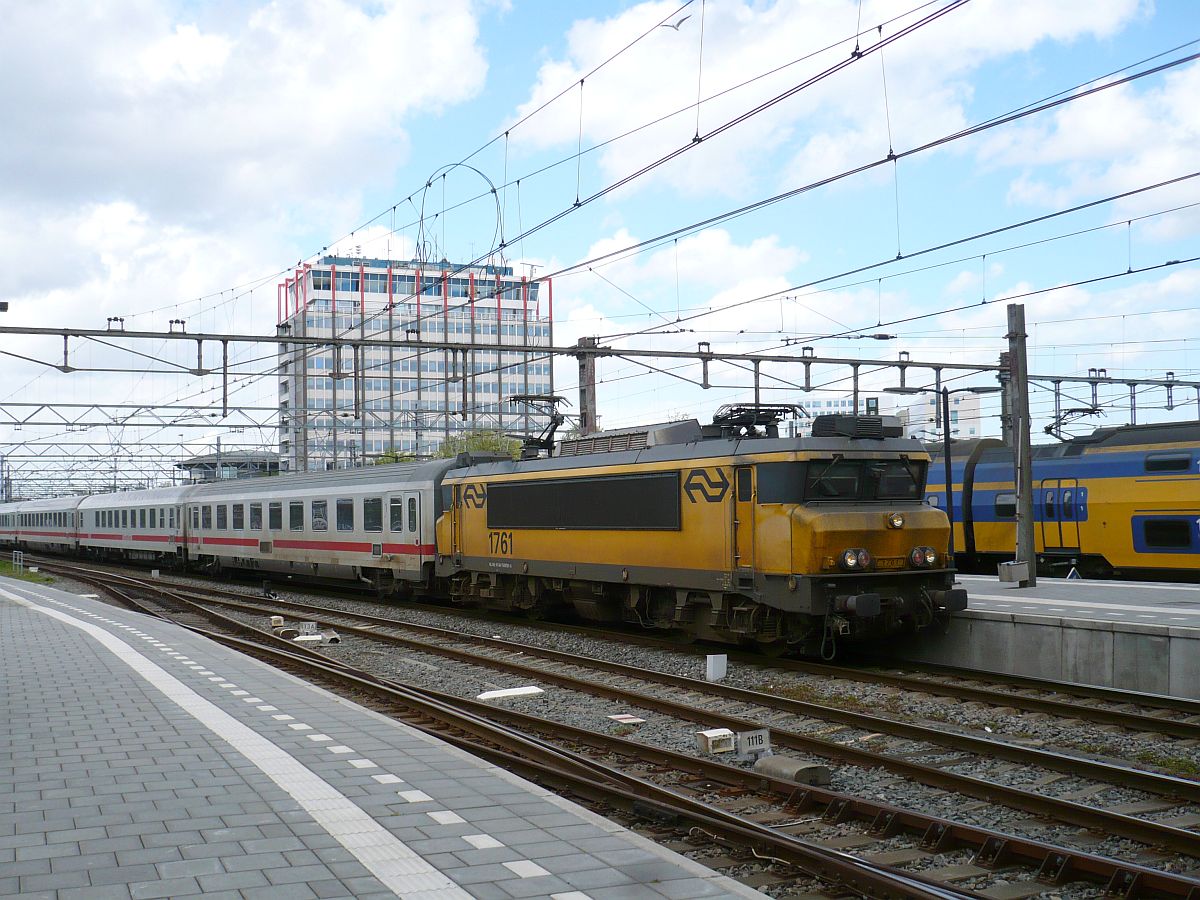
861,605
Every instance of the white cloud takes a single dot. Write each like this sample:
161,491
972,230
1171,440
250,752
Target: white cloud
1114,141
218,118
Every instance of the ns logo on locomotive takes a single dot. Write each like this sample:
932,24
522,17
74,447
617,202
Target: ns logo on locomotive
724,531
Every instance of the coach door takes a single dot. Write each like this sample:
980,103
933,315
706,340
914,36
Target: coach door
412,520
1060,514
743,520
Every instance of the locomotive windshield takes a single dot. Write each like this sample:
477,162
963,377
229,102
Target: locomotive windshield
841,479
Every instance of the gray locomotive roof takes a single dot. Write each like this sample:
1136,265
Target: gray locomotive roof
389,474
700,450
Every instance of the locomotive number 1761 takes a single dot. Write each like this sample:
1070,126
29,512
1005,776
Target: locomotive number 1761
500,542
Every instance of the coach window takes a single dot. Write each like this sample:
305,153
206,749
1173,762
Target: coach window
196,518
206,519
172,517
396,516
412,514
1068,505
320,515
1050,506
345,515
124,518
142,517
1168,533
373,514
222,517
256,517
296,515
1006,506
153,517
275,516
1168,462
239,517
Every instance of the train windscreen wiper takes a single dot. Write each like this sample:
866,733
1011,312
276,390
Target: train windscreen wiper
912,473
816,482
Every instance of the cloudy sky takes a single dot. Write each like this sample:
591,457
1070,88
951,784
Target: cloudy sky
168,160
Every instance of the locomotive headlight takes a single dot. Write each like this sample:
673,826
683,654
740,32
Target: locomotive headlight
923,557
854,559
895,520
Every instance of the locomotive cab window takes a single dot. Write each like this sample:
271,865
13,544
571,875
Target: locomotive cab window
864,479
781,482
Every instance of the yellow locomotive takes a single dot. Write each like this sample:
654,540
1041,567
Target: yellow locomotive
724,532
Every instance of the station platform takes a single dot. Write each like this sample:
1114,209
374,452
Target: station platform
1171,605
1129,635
138,760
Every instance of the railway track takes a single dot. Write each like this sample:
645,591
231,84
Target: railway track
784,805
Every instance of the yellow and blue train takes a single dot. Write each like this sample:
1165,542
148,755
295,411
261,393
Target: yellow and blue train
1121,502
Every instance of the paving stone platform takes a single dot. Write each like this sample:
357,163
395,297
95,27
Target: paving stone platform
140,761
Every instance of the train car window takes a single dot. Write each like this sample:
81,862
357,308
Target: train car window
1050,506
396,514
1068,505
373,514
899,479
781,482
345,515
222,517
296,515
172,517
412,514
1005,506
320,515
124,518
275,516
239,517
1168,462
206,519
153,517
142,518
619,502
832,479
196,517
745,485
1168,533
256,517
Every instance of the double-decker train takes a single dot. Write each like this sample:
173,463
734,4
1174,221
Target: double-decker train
724,532
1121,502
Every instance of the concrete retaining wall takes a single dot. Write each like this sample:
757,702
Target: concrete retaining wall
1154,659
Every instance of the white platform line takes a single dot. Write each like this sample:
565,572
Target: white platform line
395,864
